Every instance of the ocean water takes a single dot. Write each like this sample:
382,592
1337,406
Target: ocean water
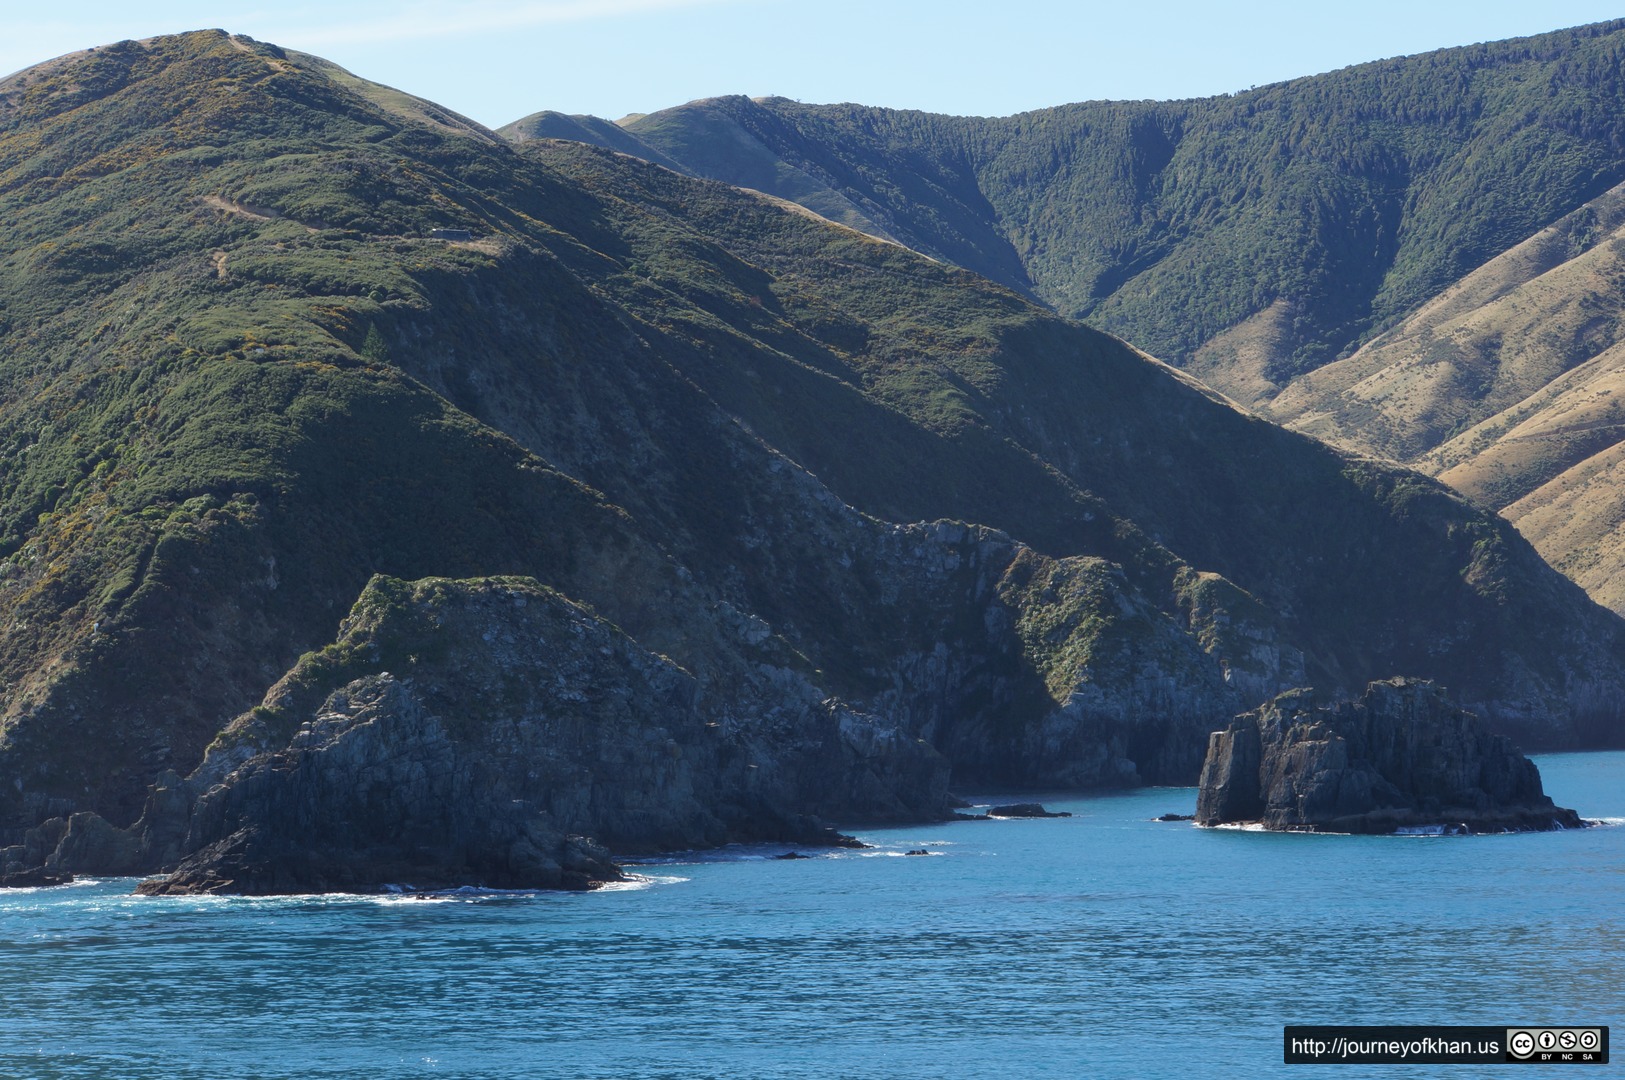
1102,945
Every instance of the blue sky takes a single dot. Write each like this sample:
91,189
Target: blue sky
498,60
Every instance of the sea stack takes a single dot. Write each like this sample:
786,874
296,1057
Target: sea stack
1399,758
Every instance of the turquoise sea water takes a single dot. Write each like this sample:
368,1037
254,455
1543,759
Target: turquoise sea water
1101,945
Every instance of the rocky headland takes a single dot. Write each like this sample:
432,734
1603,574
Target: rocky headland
1400,757
491,732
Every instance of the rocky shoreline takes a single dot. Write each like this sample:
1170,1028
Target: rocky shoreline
480,758
384,782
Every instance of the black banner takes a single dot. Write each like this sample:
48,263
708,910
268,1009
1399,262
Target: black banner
1512,1044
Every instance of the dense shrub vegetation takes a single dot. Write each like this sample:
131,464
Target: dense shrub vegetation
1351,197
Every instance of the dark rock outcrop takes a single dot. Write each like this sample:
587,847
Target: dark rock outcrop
1401,757
59,848
1024,810
35,878
515,739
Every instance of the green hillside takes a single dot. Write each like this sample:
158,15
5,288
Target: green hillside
864,507
1250,237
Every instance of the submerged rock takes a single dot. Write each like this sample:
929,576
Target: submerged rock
1400,758
1024,810
35,878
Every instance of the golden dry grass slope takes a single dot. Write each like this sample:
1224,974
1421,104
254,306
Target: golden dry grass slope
1508,386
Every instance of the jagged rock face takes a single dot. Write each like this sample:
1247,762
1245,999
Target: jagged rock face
1132,686
490,731
375,790
514,727
1400,757
479,731
1033,672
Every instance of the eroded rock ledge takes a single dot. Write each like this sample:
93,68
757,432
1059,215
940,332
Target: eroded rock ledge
1401,757
491,732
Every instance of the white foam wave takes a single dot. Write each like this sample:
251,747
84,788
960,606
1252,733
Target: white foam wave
639,882
887,853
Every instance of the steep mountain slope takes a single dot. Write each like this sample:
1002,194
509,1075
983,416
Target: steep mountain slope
1197,479
240,377
1490,340
1250,237
1253,238
1506,387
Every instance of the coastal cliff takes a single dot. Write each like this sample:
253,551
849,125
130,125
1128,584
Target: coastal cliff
514,736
